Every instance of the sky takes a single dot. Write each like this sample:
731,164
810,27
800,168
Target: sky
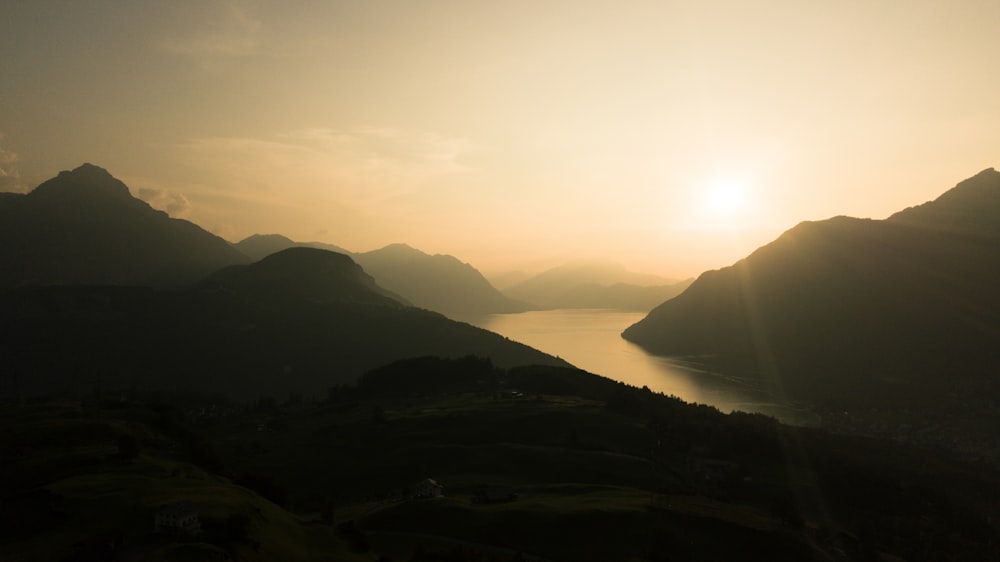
671,136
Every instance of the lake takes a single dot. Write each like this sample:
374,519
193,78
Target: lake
591,340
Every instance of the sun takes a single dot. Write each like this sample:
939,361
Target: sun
724,198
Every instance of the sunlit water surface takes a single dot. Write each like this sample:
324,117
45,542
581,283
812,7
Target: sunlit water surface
591,340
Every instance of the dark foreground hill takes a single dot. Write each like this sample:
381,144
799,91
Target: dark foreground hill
457,460
852,312
299,321
543,463
83,227
83,482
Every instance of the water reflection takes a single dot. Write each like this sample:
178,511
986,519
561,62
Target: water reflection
591,340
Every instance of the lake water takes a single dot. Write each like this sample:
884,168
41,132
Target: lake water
591,340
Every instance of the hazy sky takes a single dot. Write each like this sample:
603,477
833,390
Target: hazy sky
675,136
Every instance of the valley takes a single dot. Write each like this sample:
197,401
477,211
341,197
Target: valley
798,404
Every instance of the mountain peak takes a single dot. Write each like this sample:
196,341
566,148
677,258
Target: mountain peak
971,206
84,227
402,249
86,180
302,273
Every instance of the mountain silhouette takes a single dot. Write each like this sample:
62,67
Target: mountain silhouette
594,284
84,227
971,207
259,246
851,311
440,282
302,273
298,322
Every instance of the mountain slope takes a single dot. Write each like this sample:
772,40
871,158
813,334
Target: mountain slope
971,207
83,227
302,273
440,282
300,321
80,486
595,285
852,311
259,246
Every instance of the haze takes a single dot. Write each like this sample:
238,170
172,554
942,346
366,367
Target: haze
673,136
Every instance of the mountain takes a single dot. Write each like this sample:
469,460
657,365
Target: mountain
594,284
970,208
297,322
440,282
854,312
259,246
84,227
318,276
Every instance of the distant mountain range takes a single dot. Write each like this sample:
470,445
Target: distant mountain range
594,284
440,282
855,312
84,305
83,227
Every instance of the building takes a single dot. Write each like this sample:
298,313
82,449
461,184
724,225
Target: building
427,488
179,518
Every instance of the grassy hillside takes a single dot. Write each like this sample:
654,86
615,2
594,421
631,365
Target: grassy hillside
82,483
601,471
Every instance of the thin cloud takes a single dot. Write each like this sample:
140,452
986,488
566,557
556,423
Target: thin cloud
348,181
368,165
232,31
174,204
10,176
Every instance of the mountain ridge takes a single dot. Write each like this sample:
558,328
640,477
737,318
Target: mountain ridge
84,227
259,246
850,310
438,282
305,273
594,284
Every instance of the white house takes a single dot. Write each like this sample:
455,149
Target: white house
179,518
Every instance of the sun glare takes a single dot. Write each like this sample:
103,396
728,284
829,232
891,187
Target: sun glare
724,198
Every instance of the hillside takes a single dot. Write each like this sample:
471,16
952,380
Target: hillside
852,312
84,227
301,273
440,282
299,321
82,482
259,246
594,285
609,472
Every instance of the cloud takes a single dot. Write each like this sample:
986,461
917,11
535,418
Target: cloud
230,30
349,183
175,204
10,176
357,166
